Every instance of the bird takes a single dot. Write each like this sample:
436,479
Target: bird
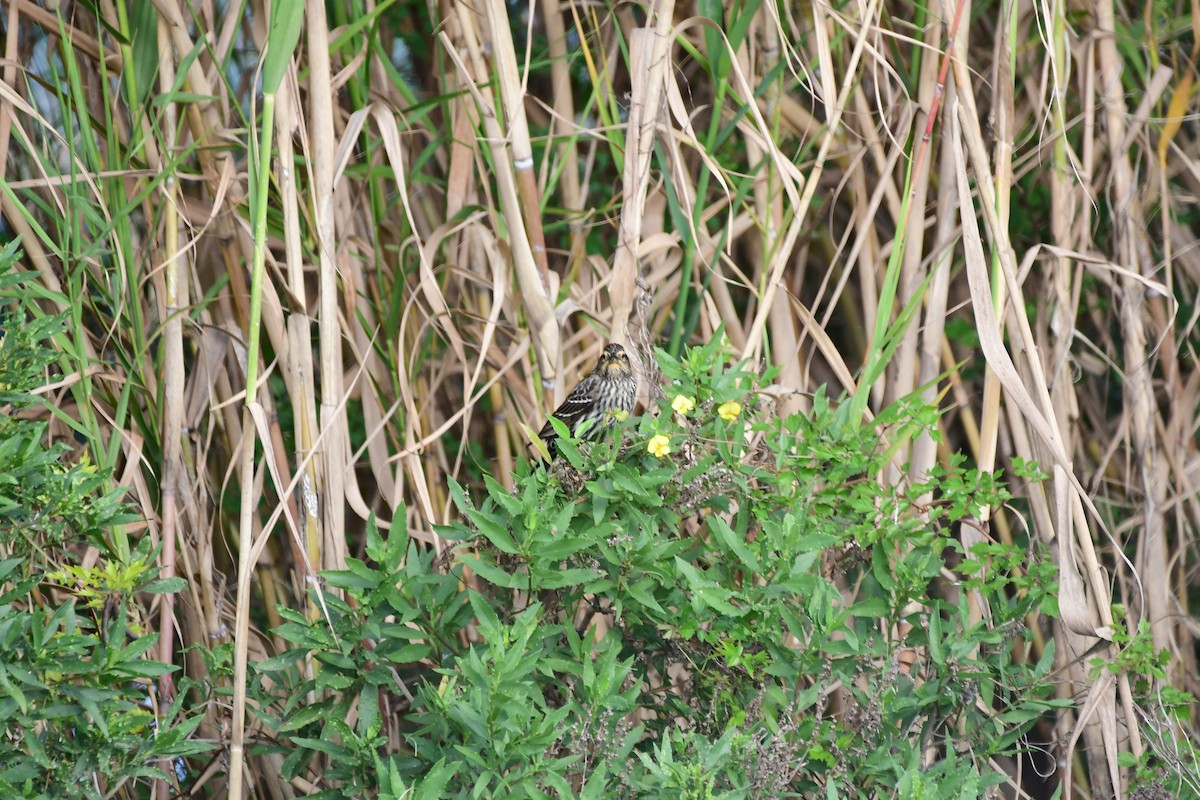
605,395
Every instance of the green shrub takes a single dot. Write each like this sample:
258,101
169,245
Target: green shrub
778,622
73,703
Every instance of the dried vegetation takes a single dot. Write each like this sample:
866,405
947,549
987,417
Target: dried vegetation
994,201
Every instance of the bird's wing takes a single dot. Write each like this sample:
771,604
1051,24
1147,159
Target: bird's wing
576,405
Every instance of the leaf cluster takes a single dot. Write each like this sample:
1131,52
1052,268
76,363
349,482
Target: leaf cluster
751,613
73,682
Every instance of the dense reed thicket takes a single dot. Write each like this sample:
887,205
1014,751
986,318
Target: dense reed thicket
321,262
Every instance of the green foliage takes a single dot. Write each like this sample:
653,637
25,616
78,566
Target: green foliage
1170,765
394,616
42,501
76,716
72,699
778,621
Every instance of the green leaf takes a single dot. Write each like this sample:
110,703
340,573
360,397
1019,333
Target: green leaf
346,579
708,592
305,716
165,586
7,566
488,621
496,530
493,574
936,651
433,785
283,32
567,577
331,749
733,541
641,591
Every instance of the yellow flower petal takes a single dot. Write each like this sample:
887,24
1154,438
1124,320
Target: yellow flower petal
730,411
682,405
658,445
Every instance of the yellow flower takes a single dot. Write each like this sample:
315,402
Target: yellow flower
730,411
658,445
682,405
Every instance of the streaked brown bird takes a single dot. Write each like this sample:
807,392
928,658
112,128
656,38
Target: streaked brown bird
606,394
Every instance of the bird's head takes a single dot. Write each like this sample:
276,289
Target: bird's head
613,361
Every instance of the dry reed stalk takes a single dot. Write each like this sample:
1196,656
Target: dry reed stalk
175,302
835,103
1078,613
298,369
473,246
1063,209
1173,439
768,200
649,62
565,128
904,368
933,341
535,293
330,553
512,97
1151,561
